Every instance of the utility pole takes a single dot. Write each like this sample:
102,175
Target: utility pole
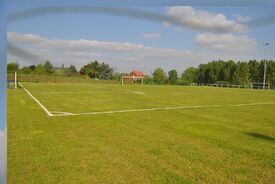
265,44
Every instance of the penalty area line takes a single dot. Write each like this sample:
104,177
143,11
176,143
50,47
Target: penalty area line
37,101
161,108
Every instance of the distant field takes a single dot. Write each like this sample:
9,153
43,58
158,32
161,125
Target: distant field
109,133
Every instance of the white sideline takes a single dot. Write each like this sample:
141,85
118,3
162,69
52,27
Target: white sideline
161,108
37,101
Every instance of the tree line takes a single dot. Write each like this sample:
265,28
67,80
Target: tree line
42,69
218,72
230,72
92,70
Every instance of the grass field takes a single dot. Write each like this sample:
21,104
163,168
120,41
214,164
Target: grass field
110,133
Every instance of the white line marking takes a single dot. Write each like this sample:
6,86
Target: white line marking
56,113
92,92
138,92
37,101
161,108
71,92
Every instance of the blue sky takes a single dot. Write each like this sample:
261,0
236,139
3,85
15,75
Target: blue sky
149,44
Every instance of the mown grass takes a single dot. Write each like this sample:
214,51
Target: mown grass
203,145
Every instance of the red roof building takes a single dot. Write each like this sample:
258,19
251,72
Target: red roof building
136,74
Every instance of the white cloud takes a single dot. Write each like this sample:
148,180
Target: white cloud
242,19
27,38
125,56
226,42
166,24
80,52
151,35
204,20
86,46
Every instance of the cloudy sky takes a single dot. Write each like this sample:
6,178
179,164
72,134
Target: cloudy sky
141,37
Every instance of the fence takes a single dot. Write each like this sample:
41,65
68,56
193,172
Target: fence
248,86
58,79
221,85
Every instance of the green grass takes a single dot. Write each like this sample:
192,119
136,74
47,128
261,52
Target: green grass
195,145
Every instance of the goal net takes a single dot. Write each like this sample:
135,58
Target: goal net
12,80
131,79
260,86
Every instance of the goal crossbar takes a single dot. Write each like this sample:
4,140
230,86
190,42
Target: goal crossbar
133,78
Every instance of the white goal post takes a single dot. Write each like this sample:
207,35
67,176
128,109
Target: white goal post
260,86
132,78
12,80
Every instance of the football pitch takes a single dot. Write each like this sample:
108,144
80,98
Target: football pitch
111,133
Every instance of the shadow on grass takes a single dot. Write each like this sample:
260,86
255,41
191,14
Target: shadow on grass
261,136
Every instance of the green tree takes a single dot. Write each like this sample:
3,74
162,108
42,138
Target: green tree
32,67
254,71
48,67
244,73
271,71
210,76
227,71
190,75
201,73
90,69
234,72
12,67
70,71
25,70
105,72
97,70
261,71
173,76
148,79
159,76
118,76
40,69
